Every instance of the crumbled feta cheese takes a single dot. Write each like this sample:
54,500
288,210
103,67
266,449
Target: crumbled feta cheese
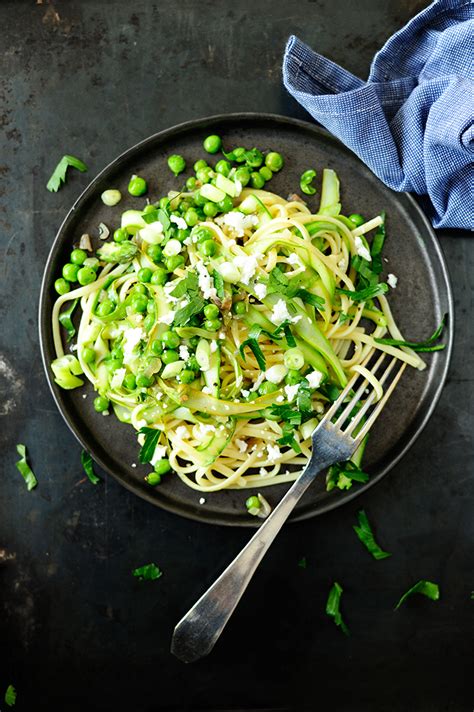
280,399
296,319
241,444
314,379
159,454
183,352
221,335
245,393
247,265
84,395
260,454
202,500
182,432
73,347
262,471
273,452
231,243
131,339
213,346
392,281
291,392
142,423
237,221
134,464
276,373
205,282
207,390
187,241
341,264
105,412
260,290
158,395
117,379
280,312
166,318
361,249
180,223
293,259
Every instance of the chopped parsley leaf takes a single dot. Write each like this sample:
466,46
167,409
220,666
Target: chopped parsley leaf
24,469
148,572
88,467
59,174
333,606
366,536
425,588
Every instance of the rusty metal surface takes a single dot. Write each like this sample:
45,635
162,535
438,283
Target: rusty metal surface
77,631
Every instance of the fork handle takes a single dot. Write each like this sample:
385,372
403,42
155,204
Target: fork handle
197,632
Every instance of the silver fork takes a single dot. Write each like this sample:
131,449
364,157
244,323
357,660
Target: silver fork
197,632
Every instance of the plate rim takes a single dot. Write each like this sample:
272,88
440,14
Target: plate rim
192,124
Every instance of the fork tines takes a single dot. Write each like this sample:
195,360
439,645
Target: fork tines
368,390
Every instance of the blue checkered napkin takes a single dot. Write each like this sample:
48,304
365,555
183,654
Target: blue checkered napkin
412,121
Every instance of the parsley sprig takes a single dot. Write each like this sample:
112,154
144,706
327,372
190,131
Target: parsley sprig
59,174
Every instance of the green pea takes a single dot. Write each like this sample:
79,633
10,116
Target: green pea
153,479
357,219
148,322
210,209
305,182
151,306
150,208
159,276
200,234
226,204
191,183
78,256
253,503
267,387
265,172
162,466
144,381
113,364
120,234
223,167
138,303
191,217
199,164
187,376
154,252
204,175
274,161
239,308
144,274
101,403
174,262
199,200
62,286
212,324
239,154
130,382
293,377
169,356
181,234
207,248
252,396
170,339
254,158
137,186
164,203
70,272
257,180
105,308
156,347
86,275
139,289
183,206
176,163
211,311
242,174
212,144
88,354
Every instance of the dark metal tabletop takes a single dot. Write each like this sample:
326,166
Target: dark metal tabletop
77,631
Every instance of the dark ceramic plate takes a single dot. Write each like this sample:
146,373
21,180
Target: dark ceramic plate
422,297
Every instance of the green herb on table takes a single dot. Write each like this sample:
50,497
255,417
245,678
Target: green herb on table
10,696
302,563
148,448
426,588
88,467
366,536
59,174
148,572
23,467
333,606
